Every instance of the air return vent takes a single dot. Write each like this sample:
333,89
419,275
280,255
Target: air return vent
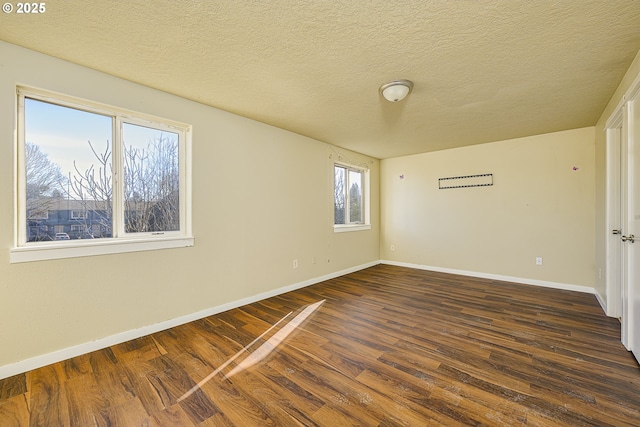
483,180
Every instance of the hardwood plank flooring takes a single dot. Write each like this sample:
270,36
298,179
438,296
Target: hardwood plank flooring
385,346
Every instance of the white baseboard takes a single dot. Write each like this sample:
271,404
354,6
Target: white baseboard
601,302
77,350
555,285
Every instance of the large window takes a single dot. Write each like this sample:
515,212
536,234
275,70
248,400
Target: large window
105,177
350,193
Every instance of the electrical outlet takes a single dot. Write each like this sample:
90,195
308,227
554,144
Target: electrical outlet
538,260
295,264
393,248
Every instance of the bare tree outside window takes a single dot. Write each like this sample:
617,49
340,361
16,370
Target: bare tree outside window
340,178
151,185
355,203
44,186
81,204
151,180
92,189
348,200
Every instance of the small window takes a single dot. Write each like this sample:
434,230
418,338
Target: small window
350,191
97,172
78,214
77,229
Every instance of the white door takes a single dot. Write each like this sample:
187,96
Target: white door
631,228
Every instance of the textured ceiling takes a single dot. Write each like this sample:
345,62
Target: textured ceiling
483,70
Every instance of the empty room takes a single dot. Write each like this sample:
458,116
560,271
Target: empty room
320,213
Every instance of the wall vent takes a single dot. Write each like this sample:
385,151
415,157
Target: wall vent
483,180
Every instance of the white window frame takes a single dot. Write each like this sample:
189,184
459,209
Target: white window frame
82,214
366,224
78,228
121,242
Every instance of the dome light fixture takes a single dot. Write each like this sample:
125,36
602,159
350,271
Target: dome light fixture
396,90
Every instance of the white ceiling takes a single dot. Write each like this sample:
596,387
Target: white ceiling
483,70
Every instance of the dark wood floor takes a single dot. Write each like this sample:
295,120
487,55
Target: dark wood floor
386,346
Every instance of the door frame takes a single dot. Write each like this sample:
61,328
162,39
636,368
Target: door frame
618,190
613,218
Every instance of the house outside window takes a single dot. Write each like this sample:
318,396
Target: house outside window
98,173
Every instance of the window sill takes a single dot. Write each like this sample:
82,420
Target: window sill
41,252
348,228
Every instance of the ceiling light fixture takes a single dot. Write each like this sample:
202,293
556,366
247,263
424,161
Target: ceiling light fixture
396,90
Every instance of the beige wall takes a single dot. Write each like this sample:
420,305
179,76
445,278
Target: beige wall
261,198
538,206
601,230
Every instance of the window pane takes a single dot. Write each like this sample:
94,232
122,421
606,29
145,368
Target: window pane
68,172
151,179
355,197
340,176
